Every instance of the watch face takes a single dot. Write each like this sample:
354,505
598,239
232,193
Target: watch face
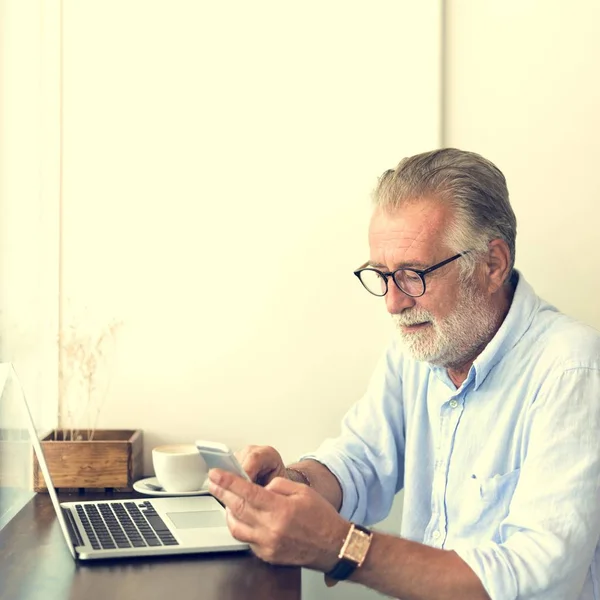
357,547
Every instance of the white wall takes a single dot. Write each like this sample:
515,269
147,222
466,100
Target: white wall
29,195
523,90
217,165
29,211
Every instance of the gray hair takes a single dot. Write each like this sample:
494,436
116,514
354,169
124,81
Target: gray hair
472,185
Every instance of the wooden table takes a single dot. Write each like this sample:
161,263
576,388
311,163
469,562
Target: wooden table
35,563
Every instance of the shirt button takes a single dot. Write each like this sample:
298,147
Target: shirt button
453,403
436,534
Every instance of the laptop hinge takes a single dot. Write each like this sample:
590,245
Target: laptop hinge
74,534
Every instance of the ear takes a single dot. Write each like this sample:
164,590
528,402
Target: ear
497,265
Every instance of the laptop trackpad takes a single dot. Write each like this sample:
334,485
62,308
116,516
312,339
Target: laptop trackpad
197,519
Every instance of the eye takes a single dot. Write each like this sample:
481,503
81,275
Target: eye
411,276
410,282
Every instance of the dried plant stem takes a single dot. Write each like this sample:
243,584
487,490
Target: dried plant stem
83,368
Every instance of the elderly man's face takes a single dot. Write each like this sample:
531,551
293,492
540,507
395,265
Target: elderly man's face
453,320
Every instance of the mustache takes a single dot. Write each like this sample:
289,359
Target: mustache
413,317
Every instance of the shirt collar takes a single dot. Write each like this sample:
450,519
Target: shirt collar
525,304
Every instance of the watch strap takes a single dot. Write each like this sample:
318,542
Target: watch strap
342,570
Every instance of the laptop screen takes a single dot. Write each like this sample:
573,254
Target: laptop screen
37,447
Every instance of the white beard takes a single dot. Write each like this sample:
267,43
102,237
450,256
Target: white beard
453,341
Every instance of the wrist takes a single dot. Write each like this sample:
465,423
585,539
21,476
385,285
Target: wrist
351,556
338,536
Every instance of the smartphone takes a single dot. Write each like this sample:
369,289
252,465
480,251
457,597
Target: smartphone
219,456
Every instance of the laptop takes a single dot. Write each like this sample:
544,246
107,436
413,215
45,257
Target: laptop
138,527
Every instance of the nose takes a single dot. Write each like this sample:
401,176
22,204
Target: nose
396,300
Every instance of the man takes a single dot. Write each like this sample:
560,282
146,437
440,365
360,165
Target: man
485,410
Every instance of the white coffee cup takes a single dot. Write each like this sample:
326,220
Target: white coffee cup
179,467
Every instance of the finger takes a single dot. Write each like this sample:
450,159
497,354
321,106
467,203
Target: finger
285,487
239,530
250,535
261,463
243,454
252,464
226,486
234,504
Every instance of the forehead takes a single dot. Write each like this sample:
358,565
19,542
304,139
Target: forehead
416,232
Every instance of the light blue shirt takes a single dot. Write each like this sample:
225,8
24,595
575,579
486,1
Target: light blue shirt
505,470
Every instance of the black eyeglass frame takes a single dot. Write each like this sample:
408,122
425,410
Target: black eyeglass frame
385,275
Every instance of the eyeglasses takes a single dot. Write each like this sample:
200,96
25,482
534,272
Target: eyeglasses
409,281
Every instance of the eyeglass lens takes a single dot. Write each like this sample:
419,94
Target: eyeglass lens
407,280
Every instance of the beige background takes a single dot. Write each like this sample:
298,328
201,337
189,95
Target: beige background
217,166
29,199
207,171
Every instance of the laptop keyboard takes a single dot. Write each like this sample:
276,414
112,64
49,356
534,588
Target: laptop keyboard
124,525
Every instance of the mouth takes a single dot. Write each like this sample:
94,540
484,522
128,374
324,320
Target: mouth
415,327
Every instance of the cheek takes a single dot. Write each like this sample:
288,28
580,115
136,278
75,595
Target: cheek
440,306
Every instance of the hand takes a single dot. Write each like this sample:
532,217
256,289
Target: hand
284,523
262,463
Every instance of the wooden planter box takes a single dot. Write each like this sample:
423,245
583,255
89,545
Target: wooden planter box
113,459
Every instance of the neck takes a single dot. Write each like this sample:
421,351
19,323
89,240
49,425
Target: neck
458,373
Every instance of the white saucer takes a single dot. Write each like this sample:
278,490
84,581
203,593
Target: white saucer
140,486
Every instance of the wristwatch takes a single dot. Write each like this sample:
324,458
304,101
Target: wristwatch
352,555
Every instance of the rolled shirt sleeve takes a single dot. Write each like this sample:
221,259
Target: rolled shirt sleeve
367,457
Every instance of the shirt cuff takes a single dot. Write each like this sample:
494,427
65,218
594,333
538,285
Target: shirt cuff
495,572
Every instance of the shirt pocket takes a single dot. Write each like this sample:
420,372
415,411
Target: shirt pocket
488,502
498,488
